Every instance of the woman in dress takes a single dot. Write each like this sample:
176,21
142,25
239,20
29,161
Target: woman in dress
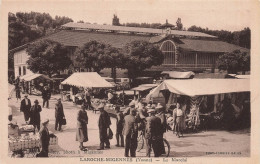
178,117
82,130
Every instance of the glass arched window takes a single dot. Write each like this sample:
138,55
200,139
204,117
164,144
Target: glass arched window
168,49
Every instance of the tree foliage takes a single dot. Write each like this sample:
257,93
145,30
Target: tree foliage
240,38
140,55
234,62
90,55
48,57
113,58
179,25
25,27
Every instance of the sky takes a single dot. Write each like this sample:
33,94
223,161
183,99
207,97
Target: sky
216,15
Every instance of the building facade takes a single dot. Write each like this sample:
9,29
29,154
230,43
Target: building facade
20,65
181,49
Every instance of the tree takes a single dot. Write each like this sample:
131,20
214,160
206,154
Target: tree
241,38
89,55
234,62
113,59
25,27
179,24
58,21
140,55
48,57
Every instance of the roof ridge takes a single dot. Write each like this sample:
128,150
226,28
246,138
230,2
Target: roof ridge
131,29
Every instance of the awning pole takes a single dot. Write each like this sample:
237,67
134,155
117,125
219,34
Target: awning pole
196,60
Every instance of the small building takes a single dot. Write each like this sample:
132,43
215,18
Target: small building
188,50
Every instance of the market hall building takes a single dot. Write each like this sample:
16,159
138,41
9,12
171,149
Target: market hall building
194,51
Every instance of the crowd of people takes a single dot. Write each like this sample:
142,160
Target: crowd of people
138,116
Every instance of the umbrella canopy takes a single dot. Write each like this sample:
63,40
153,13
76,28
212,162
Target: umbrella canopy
87,80
196,87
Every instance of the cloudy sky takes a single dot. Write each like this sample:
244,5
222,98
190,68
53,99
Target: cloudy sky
214,15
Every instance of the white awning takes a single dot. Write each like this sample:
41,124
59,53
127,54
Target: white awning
239,76
144,87
33,76
179,75
196,87
87,80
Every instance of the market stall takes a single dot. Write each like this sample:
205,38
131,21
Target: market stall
143,89
81,80
33,83
25,140
204,96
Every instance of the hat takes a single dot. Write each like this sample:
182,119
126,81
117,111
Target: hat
159,106
36,101
101,106
151,110
26,95
131,104
45,122
59,99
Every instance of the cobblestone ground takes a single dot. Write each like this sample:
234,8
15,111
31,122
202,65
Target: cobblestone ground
210,143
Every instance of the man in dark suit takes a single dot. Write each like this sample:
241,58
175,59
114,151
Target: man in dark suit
25,107
152,133
59,114
131,132
35,117
119,126
46,95
103,124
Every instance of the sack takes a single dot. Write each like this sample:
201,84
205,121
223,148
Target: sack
110,134
63,121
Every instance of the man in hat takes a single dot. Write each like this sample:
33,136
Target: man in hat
160,113
119,126
59,114
104,123
131,132
152,133
25,107
44,139
35,117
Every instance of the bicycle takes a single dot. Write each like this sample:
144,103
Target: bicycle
140,145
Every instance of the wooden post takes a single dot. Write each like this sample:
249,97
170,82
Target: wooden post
196,60
123,95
